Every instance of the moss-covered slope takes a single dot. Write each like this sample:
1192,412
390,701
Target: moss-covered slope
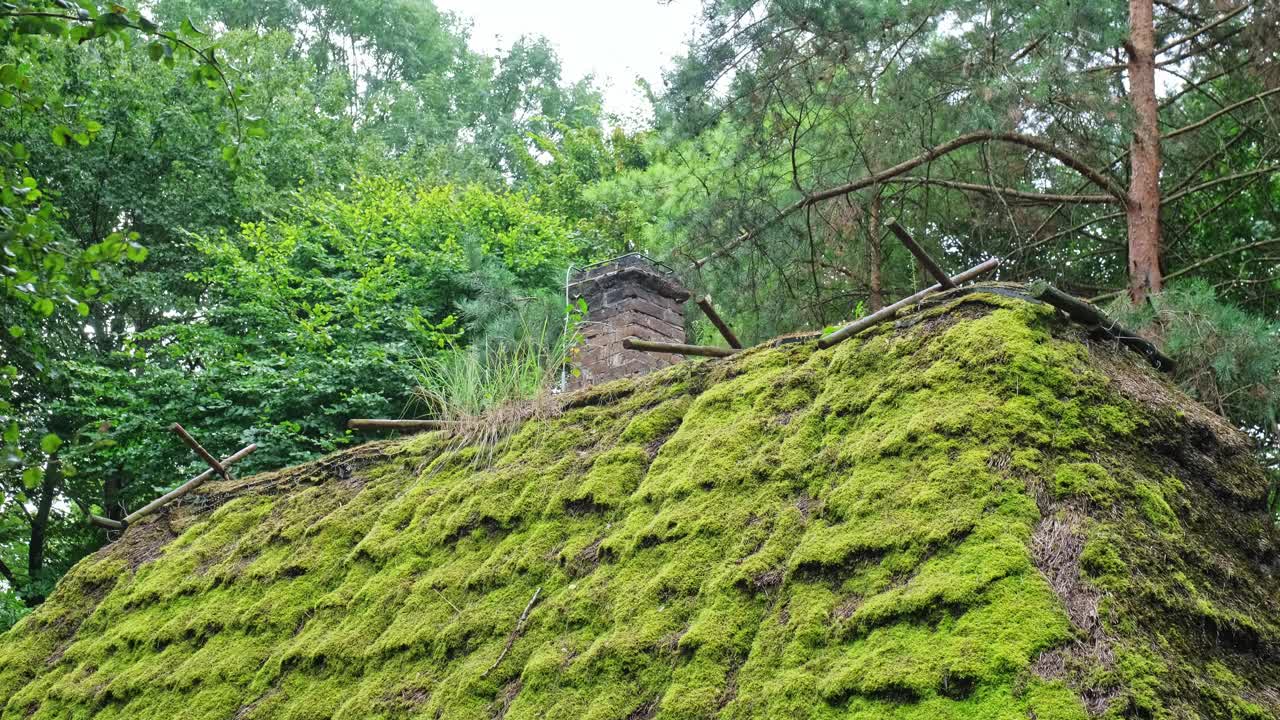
971,513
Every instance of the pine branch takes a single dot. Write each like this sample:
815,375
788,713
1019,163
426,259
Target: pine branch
908,165
1218,181
1218,256
1007,192
1205,121
1202,29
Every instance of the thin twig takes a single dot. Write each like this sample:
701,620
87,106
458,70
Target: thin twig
442,597
511,639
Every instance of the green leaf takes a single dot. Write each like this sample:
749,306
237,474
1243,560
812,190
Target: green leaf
50,443
82,309
31,477
59,134
7,100
11,434
189,29
81,138
135,252
155,51
16,331
43,306
256,128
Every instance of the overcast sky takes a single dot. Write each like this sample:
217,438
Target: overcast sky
615,40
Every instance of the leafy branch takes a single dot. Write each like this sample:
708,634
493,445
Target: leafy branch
117,20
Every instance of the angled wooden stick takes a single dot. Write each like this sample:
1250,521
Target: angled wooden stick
374,424
204,454
709,310
675,348
186,487
925,259
889,311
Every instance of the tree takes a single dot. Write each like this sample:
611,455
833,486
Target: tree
139,160
50,280
1011,111
1142,206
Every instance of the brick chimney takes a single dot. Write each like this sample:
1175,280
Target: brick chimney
629,296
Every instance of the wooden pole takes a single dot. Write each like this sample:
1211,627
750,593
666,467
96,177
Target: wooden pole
106,523
675,348
186,487
1096,320
709,310
889,311
925,259
204,454
410,425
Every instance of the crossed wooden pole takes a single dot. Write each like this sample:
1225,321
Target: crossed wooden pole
945,282
216,467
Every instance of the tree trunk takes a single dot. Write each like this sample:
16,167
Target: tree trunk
112,490
40,526
8,576
1143,209
875,299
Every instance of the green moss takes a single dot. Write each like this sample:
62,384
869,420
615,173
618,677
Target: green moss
788,533
1089,480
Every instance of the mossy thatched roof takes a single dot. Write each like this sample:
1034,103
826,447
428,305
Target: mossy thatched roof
971,513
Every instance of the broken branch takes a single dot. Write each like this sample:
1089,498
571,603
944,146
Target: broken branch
1097,321
106,523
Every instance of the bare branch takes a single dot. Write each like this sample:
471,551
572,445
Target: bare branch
1218,181
1030,48
1202,29
1194,86
1218,256
1008,192
1197,265
1201,123
908,165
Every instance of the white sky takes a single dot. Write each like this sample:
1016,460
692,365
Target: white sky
614,40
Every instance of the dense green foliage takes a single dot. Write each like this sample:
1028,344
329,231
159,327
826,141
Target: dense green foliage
259,259
970,515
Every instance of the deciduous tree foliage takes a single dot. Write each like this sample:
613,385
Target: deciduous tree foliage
143,205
